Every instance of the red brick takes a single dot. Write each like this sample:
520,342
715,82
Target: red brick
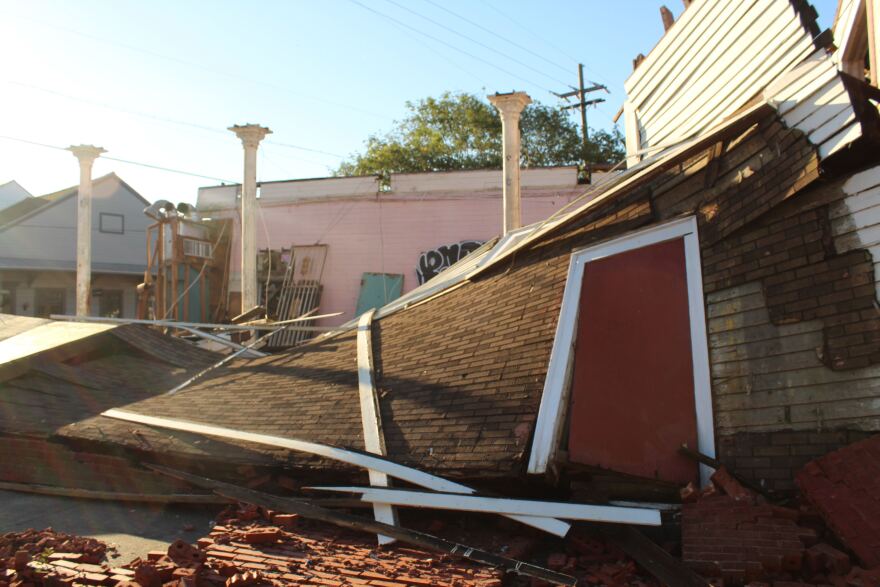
262,536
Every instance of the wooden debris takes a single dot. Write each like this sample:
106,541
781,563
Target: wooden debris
345,520
501,505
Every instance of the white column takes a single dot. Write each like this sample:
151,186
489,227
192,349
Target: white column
86,154
250,135
511,106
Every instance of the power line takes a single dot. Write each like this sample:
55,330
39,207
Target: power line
211,129
128,161
195,65
494,34
472,40
534,35
453,47
439,54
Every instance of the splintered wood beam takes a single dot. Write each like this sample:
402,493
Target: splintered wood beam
503,505
421,539
371,419
668,19
351,457
650,556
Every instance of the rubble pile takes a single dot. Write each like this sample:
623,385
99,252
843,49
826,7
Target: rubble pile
844,487
731,533
23,554
595,562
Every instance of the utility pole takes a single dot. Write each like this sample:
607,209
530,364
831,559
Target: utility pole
581,94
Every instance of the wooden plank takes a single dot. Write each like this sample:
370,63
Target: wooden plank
810,104
352,522
744,319
371,418
814,72
655,70
776,346
359,459
699,74
801,89
703,108
164,498
745,43
838,103
176,323
797,378
799,396
763,365
844,119
864,180
650,556
850,204
500,505
737,305
681,69
247,353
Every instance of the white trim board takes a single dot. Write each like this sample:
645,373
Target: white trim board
351,457
501,505
554,399
374,439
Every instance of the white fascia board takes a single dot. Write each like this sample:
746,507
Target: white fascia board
374,439
502,505
554,399
359,459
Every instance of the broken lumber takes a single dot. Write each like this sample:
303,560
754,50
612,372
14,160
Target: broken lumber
716,464
371,418
352,457
501,505
650,556
111,495
307,510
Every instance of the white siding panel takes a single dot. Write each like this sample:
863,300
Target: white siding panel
719,55
767,377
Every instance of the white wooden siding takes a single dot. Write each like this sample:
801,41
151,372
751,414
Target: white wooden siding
767,377
855,220
717,57
812,98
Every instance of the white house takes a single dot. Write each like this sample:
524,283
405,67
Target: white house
38,251
12,193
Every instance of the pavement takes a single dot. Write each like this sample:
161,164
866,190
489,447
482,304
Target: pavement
133,529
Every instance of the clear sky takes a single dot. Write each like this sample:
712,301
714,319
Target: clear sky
158,82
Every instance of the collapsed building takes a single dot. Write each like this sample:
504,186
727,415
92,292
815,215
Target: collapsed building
718,295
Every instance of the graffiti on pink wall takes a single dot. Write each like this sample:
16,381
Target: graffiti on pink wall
436,260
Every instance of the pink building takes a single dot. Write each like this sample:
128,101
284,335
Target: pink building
380,243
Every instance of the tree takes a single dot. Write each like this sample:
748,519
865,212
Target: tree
461,131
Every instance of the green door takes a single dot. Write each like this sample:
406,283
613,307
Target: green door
377,289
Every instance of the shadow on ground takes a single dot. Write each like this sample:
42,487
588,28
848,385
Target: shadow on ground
133,529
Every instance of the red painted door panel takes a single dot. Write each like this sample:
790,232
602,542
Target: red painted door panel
632,397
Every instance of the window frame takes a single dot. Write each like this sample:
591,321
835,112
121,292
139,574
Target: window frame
101,216
552,412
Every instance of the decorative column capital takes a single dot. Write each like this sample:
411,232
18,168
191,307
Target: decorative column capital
86,153
250,134
510,105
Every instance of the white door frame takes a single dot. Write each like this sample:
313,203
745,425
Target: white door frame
554,400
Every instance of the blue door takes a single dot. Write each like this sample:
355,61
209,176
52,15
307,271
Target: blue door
377,289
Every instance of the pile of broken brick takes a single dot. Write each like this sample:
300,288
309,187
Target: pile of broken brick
733,533
730,533
253,547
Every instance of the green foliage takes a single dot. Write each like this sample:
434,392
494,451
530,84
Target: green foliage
461,131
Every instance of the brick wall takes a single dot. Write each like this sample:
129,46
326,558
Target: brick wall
772,459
